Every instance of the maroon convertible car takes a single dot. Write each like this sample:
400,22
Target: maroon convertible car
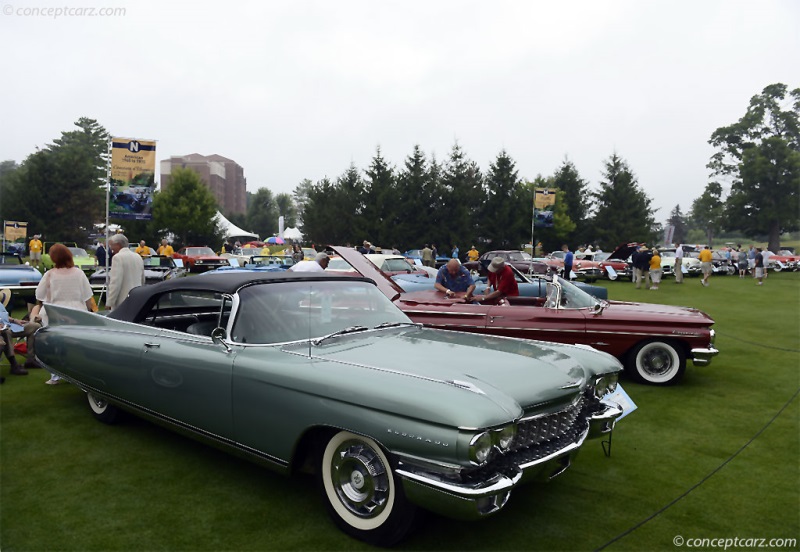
652,341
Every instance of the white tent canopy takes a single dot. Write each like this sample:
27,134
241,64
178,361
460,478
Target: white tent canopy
231,231
292,234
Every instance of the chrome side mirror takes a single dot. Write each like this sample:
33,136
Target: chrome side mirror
218,336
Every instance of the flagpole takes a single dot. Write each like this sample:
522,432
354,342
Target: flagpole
533,225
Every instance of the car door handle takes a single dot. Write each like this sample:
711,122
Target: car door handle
152,345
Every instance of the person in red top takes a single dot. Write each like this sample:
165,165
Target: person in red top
501,281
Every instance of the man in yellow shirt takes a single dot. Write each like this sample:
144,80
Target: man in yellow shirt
35,248
143,250
705,265
473,254
165,249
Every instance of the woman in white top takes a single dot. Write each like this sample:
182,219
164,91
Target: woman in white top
64,285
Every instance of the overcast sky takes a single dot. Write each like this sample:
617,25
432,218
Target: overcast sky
300,89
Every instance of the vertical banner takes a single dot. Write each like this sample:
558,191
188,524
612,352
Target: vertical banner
543,201
133,167
669,234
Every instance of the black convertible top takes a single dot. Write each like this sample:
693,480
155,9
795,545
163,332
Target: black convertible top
222,282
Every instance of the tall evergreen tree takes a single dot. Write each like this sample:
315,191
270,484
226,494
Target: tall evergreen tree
678,220
352,205
462,198
380,198
321,217
624,211
414,207
574,194
503,224
761,154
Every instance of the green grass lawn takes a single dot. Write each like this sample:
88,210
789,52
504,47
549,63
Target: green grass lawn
717,456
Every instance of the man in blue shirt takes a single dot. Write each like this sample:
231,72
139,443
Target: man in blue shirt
454,278
567,261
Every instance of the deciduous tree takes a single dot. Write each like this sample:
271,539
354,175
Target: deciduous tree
760,153
187,209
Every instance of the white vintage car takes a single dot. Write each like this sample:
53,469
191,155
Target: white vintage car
690,265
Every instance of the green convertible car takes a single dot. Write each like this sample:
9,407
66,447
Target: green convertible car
321,372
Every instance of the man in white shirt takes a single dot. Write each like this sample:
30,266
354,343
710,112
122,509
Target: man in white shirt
127,271
319,264
678,263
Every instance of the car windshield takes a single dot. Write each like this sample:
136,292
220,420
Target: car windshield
666,254
514,256
199,251
571,297
602,256
271,260
78,252
396,265
158,261
292,311
337,264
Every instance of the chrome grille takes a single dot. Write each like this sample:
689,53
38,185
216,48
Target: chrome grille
540,429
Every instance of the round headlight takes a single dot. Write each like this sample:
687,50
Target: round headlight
505,437
480,447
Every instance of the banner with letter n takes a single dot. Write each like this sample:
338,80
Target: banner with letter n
132,184
543,201
15,230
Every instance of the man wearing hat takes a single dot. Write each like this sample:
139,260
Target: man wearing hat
501,281
35,248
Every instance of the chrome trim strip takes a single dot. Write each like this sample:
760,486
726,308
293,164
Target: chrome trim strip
562,330
499,484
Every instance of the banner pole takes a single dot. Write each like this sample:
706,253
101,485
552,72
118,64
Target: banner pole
533,225
108,204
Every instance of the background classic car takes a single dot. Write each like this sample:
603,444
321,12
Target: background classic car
200,259
520,260
322,371
652,341
18,278
157,268
80,257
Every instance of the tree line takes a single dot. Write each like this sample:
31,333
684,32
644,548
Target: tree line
60,191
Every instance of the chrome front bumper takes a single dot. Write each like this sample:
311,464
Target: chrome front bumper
702,357
474,500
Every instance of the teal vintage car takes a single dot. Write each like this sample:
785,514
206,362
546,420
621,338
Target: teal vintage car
320,371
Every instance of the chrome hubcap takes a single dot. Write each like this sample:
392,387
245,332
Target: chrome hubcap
360,479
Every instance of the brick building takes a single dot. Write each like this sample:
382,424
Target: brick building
223,176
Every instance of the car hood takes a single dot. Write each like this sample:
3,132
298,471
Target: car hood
498,380
366,268
622,252
667,313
